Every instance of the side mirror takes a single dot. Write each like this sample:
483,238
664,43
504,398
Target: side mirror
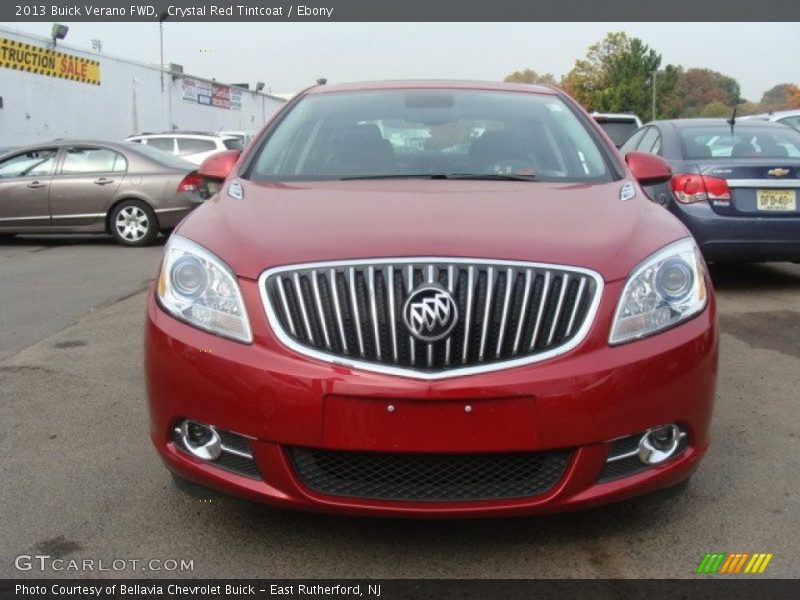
218,166
648,169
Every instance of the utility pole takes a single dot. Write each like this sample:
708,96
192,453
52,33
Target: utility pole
654,94
161,20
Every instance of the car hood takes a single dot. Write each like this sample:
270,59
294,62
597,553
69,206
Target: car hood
569,224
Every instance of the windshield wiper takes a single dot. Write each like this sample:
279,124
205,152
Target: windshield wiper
477,176
398,176
492,176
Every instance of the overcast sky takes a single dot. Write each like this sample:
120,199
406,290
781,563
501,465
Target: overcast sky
290,56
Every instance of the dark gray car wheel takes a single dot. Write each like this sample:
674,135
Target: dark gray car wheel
133,223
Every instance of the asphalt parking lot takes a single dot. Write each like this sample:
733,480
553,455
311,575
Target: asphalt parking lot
80,480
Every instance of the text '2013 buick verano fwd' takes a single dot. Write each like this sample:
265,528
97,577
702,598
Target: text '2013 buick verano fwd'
431,299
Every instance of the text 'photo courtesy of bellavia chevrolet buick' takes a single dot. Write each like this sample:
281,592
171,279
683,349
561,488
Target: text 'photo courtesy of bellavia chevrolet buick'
430,299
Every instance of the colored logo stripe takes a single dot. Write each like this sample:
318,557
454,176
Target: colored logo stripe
733,563
711,562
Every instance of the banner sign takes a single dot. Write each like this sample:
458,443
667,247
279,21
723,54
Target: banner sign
212,94
44,61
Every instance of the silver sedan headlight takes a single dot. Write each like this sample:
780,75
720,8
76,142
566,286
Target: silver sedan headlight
197,287
667,288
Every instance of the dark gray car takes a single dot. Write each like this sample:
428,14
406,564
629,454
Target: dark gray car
125,189
736,187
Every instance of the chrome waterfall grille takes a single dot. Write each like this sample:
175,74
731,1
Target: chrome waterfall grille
430,317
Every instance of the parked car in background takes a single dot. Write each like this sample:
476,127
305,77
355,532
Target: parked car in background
787,117
735,186
618,126
191,146
128,190
496,324
242,135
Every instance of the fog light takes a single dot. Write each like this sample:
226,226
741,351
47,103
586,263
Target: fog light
201,440
659,444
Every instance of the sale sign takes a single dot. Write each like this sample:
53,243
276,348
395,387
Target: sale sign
44,61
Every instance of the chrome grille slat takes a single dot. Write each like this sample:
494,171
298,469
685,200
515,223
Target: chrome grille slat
351,312
320,310
392,312
486,312
338,309
559,305
540,312
430,346
351,280
299,291
523,311
510,277
374,311
409,287
451,289
575,306
285,302
468,316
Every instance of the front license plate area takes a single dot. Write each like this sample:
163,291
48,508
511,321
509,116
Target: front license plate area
776,200
389,425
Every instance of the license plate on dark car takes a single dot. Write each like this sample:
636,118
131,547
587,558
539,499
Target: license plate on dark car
776,200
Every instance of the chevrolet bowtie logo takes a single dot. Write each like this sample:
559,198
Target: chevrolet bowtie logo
778,172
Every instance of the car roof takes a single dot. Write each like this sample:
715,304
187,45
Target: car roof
741,122
72,142
187,134
431,84
616,116
775,114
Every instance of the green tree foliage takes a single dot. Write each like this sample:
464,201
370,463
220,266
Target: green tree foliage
530,76
716,109
616,76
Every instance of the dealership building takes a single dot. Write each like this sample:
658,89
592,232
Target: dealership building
52,91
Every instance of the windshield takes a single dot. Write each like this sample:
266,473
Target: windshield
744,142
436,133
165,158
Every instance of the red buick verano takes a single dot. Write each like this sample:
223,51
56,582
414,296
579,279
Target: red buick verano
431,299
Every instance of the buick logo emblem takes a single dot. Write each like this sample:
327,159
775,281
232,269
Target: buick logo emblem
430,313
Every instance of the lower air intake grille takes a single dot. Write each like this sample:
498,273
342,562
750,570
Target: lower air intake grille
428,477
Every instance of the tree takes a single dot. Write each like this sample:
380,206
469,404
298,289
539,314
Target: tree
668,104
749,108
782,96
616,75
530,76
589,77
697,88
716,109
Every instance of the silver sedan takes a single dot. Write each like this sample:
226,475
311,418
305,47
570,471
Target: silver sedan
125,189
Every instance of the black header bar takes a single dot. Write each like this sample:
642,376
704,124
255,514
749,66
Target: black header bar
403,10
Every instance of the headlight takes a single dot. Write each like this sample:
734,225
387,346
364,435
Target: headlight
665,289
197,287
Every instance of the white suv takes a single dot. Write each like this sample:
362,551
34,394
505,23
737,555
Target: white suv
193,146
618,126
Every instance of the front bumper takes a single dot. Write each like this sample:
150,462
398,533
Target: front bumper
577,402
